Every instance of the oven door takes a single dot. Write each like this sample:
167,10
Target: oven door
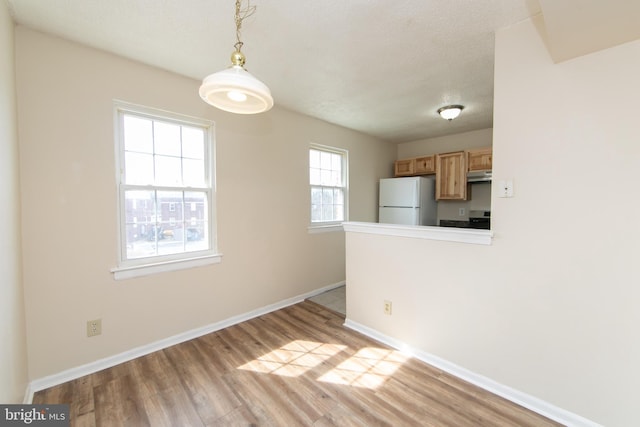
480,223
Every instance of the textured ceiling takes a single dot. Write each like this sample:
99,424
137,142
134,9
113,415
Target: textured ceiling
382,67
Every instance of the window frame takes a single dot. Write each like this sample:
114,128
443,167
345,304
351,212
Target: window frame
329,226
128,268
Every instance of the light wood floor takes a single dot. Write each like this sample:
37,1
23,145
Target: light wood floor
294,367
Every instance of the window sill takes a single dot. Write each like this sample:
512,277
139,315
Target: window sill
128,272
447,234
324,228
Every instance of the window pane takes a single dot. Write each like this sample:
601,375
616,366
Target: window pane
325,160
169,204
335,178
325,177
316,196
327,213
138,168
140,247
338,213
336,162
314,159
168,171
314,176
166,138
193,173
316,213
137,134
140,215
166,226
338,196
197,224
167,242
192,142
139,206
327,196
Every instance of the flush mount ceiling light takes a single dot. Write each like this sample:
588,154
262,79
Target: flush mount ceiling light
450,112
234,89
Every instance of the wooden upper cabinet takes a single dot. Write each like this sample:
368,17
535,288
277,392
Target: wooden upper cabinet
451,176
479,159
405,167
426,165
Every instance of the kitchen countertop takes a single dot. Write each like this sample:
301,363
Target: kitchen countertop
448,234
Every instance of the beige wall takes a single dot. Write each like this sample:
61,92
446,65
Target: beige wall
551,307
13,349
445,144
65,94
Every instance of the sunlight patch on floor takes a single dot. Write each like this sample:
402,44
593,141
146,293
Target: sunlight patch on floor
370,367
293,359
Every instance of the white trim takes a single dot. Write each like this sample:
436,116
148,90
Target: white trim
525,400
328,228
120,273
447,234
107,362
28,395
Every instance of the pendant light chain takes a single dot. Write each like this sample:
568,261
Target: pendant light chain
242,14
234,89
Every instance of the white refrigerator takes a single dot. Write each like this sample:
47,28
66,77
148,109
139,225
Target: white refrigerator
408,201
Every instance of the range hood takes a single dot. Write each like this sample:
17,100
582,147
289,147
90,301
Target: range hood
479,176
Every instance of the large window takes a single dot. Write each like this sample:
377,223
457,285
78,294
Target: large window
165,184
328,181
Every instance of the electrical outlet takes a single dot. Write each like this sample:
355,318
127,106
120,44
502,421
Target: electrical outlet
94,327
387,308
461,211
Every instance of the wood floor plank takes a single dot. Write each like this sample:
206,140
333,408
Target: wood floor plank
210,395
240,417
297,366
170,409
78,394
117,404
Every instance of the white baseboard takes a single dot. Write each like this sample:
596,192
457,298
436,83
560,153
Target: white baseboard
532,403
28,395
107,362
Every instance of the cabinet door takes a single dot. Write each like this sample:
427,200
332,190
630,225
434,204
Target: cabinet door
480,159
426,165
451,176
405,167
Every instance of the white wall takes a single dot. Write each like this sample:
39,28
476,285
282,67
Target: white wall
65,94
551,307
13,350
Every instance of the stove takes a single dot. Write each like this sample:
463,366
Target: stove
480,219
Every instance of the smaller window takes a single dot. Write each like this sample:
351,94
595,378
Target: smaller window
328,181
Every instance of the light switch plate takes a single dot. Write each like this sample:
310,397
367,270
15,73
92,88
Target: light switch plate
505,188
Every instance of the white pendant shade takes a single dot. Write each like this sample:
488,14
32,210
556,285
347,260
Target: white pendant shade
235,90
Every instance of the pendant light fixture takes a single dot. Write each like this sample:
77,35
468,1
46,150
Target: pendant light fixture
234,89
450,112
